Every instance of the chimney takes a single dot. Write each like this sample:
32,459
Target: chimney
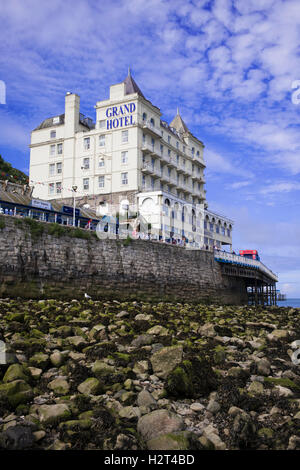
72,103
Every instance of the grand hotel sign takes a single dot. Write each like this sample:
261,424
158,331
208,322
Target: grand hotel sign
120,116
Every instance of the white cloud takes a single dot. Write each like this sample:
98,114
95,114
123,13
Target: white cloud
281,187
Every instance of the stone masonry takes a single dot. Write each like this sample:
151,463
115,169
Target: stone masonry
47,266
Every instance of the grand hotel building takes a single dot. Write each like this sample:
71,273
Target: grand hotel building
131,160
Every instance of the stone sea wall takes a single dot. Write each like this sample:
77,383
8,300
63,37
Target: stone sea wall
40,260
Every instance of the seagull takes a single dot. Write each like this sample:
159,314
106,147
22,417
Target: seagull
86,296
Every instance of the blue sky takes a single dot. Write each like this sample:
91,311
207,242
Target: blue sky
227,64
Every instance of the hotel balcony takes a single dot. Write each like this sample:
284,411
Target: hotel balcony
148,148
154,131
173,181
149,169
165,178
171,162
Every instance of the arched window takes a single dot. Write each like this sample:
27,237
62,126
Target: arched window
144,116
152,123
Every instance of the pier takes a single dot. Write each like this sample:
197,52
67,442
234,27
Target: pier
259,280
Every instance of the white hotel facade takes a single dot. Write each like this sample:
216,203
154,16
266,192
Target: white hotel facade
130,159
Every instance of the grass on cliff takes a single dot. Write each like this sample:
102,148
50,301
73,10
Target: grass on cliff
37,229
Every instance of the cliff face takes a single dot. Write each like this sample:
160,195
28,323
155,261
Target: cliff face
46,260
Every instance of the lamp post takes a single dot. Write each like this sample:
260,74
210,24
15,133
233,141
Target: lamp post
74,189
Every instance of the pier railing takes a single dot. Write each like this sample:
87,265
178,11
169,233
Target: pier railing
232,258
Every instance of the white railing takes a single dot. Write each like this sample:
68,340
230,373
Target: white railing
241,260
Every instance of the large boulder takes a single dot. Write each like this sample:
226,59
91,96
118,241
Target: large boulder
101,368
15,372
171,441
191,379
17,438
164,360
16,392
159,422
91,386
53,414
59,386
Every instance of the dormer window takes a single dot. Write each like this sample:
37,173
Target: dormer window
55,120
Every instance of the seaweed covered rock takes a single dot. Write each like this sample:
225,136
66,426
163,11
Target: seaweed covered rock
164,360
159,422
191,378
16,392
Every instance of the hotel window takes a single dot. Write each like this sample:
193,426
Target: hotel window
152,182
52,134
51,169
152,143
124,178
169,153
183,163
101,162
86,184
228,232
223,231
152,123
52,150
101,181
143,181
193,151
51,188
58,168
102,140
184,149
124,137
211,227
144,139
199,186
169,172
124,157
56,120
198,153
144,116
177,145
205,225
177,159
161,149
58,188
102,124
59,149
86,164
169,139
86,143
193,167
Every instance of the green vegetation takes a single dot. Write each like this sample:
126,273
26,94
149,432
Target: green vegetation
36,228
15,176
127,241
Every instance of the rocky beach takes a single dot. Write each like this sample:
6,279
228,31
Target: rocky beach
113,375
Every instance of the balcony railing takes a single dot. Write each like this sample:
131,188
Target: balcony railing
150,127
